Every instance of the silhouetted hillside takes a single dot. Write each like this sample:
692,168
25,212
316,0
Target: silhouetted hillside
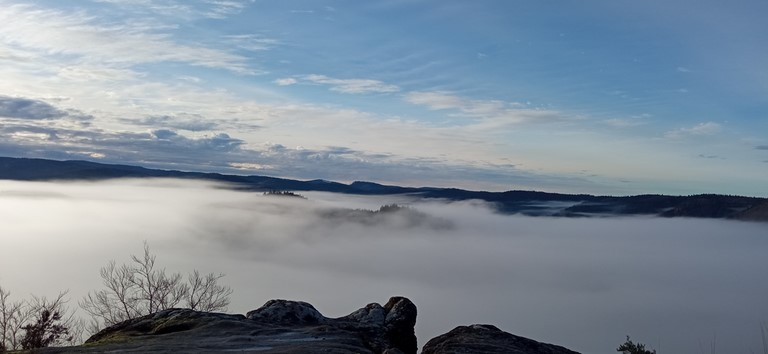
532,203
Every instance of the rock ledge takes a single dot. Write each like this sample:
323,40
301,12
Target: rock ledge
284,326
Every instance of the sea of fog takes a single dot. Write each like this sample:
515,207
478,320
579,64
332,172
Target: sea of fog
678,285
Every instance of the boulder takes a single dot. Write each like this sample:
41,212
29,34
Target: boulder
483,338
285,312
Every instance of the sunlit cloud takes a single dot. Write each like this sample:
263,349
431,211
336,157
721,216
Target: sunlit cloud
250,166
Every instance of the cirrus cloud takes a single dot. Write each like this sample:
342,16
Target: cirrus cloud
46,32
701,129
486,114
351,86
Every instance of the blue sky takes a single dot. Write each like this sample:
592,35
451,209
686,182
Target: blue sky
607,97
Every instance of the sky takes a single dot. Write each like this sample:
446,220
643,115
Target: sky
678,285
606,97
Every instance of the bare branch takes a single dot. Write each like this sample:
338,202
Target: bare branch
205,294
13,316
139,288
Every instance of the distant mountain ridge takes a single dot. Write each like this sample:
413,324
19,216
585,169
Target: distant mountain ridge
531,203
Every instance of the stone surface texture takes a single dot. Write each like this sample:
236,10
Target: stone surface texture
284,326
487,339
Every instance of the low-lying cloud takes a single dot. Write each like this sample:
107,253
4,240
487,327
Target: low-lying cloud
580,283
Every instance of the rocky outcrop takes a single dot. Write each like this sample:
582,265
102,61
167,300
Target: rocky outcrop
280,326
393,323
287,313
283,326
488,339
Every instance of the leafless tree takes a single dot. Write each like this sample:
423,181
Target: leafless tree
13,316
155,289
27,323
118,302
205,294
140,288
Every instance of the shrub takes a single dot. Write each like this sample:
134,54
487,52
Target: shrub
633,348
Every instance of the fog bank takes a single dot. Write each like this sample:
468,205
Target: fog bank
675,284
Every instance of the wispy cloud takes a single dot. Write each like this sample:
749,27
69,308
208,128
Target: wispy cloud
354,86
761,147
78,34
252,42
188,122
286,81
436,100
214,9
221,9
703,156
488,114
351,86
624,122
188,78
701,129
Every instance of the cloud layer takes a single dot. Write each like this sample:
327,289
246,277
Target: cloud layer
580,283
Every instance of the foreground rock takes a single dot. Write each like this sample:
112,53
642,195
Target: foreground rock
488,339
280,326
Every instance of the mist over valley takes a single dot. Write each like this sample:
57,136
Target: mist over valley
584,283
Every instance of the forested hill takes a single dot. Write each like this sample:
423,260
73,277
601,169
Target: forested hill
511,202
